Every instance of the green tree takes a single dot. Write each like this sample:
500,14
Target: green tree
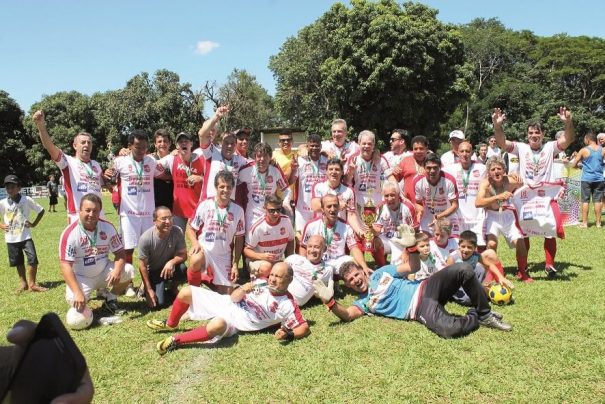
15,142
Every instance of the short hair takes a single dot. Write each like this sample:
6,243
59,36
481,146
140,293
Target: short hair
339,121
83,134
468,235
466,141
600,136
348,267
480,145
390,184
432,158
420,139
591,136
229,136
92,198
327,196
155,211
272,200
495,160
368,134
421,236
139,135
286,131
263,148
313,138
226,176
335,161
534,125
243,131
444,224
405,135
163,133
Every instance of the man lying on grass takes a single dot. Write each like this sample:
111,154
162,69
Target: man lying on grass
251,307
388,292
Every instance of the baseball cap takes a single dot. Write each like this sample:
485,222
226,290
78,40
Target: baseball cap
458,134
183,134
11,179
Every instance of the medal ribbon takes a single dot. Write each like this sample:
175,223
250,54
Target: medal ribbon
221,219
92,241
138,170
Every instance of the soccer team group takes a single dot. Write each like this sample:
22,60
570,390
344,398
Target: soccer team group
299,219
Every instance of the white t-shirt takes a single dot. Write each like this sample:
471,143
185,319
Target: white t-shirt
337,238
535,166
493,152
394,160
266,238
77,245
467,182
136,185
436,199
215,163
345,195
258,187
427,268
79,179
345,152
309,173
389,220
368,178
15,214
301,287
216,226
441,253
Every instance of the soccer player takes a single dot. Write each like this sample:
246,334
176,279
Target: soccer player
269,240
536,163
243,139
251,307
81,174
257,181
219,223
592,184
163,188
468,175
339,146
338,235
308,269
14,213
436,196
390,215
84,249
412,166
187,170
162,254
494,196
456,137
399,141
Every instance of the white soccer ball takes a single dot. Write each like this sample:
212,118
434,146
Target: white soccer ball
79,321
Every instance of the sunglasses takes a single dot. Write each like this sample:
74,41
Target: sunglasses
394,138
285,140
273,211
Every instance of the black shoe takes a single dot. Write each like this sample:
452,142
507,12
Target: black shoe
112,307
499,316
551,271
493,322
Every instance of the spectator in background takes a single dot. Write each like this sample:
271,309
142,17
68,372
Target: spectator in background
492,148
482,149
162,188
53,193
592,184
339,146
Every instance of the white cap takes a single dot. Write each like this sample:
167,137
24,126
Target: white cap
458,134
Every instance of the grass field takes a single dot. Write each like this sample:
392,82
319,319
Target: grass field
554,354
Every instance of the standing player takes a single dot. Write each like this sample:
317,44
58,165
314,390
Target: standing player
269,240
412,166
436,196
399,141
456,137
219,223
243,139
162,188
81,174
339,146
536,163
468,175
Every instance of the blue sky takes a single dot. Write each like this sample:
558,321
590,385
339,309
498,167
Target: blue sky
88,46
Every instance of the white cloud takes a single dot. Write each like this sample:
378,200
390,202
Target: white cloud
205,47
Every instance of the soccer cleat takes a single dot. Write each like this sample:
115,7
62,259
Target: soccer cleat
159,325
492,321
551,271
112,307
166,345
499,316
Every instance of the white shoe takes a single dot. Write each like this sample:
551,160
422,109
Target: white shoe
130,292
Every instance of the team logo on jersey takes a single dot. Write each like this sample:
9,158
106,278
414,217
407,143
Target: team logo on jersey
132,190
103,235
308,168
527,215
115,242
336,236
83,241
71,251
476,173
524,195
89,261
230,216
146,168
273,307
441,191
541,192
82,187
269,179
282,231
374,168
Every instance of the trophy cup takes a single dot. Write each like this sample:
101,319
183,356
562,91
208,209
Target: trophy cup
369,218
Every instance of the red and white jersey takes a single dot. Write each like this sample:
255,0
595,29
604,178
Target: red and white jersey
535,166
270,238
346,196
345,152
186,197
309,173
260,309
305,273
337,237
442,252
388,220
449,158
79,179
216,227
467,182
436,199
258,186
537,209
368,178
215,163
77,245
136,185
394,160
15,214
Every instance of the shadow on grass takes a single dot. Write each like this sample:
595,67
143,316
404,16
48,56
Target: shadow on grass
222,343
51,284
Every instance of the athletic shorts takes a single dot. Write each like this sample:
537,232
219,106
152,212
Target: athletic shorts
131,228
592,189
504,224
88,284
16,250
392,248
221,267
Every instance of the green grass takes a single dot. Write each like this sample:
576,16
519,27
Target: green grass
555,352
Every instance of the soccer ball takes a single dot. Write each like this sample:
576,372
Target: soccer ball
499,294
78,321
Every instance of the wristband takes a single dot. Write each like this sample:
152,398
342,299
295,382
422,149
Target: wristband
289,334
331,304
412,249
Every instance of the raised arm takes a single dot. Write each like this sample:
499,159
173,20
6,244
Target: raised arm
498,119
47,142
209,124
569,134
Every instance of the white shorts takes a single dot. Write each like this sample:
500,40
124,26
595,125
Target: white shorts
74,217
221,267
301,219
99,282
476,228
392,248
337,262
131,228
504,224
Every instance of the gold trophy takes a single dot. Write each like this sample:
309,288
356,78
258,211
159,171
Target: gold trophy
369,218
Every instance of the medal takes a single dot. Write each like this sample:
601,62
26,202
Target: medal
91,240
94,251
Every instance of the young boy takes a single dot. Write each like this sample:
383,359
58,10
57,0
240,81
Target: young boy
442,245
427,261
15,211
487,266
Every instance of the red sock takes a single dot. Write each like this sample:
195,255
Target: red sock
194,277
196,335
550,250
178,309
522,263
128,257
379,258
